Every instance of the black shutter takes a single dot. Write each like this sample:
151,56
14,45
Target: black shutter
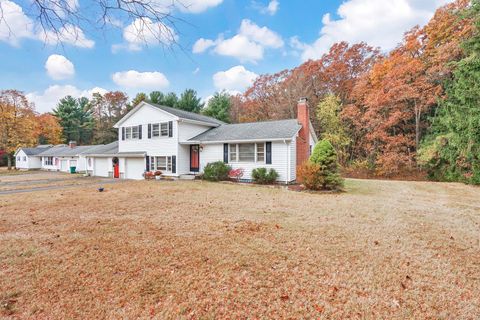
225,152
170,129
123,133
140,132
268,153
174,164
149,131
147,158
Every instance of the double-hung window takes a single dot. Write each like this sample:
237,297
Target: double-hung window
48,161
161,163
160,129
247,152
132,133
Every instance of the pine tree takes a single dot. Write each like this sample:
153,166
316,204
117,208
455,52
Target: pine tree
451,152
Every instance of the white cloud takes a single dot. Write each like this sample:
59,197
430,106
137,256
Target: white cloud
58,67
196,71
46,101
234,79
378,22
247,45
271,8
69,34
144,32
144,80
261,35
201,45
240,47
14,24
197,6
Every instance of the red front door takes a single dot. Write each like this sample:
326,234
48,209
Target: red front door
194,158
116,170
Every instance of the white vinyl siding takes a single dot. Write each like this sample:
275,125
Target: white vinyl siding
280,160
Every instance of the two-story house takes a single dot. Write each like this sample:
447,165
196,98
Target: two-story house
179,143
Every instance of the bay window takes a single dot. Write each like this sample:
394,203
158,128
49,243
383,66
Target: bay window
247,152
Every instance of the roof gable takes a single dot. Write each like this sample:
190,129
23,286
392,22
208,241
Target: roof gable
176,113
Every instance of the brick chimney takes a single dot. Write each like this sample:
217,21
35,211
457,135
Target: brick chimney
72,144
303,139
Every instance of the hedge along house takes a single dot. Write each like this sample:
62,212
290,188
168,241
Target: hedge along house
178,143
29,159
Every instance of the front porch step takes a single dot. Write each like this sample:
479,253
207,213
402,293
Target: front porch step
187,177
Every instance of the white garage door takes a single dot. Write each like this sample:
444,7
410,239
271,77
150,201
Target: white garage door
134,168
64,165
100,168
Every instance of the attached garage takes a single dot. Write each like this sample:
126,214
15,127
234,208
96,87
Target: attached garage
100,167
134,168
64,165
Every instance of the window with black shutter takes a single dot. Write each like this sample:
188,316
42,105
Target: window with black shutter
268,153
123,133
149,131
225,152
140,132
174,164
147,163
170,129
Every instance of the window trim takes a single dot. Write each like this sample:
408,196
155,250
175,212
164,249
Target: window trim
48,161
154,164
237,153
129,133
161,131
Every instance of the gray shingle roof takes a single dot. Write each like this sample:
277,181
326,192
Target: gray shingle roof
111,148
65,151
268,130
187,115
36,150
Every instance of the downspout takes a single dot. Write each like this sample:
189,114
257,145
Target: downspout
288,161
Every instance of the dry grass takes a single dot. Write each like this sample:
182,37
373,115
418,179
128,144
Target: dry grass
195,250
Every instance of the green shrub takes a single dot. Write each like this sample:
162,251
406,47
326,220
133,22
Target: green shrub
322,171
264,176
216,171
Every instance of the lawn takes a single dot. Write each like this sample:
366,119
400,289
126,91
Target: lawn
198,250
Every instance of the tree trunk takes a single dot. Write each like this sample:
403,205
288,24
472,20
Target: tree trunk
9,161
417,131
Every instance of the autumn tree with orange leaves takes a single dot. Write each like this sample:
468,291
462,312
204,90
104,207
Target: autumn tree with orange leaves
392,105
17,123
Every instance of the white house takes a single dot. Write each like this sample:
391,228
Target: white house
28,159
178,143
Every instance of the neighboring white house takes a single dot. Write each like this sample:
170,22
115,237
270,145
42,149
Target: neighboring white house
154,137
28,159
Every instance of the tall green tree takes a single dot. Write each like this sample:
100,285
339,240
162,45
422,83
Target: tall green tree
156,97
451,151
189,101
170,100
219,106
76,119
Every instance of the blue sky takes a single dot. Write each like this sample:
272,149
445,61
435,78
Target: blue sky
222,45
